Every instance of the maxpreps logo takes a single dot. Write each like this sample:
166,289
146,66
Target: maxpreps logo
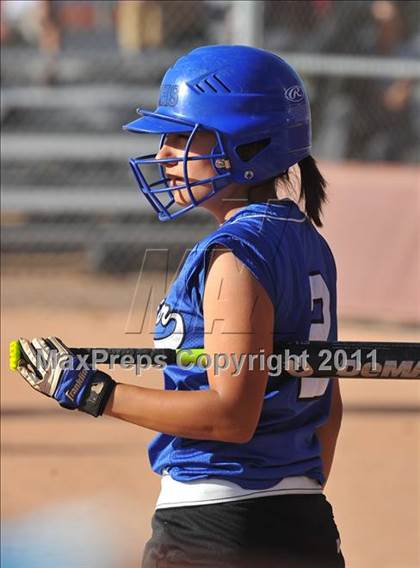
294,94
168,95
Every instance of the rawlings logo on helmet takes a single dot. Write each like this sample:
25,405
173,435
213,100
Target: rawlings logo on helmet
294,94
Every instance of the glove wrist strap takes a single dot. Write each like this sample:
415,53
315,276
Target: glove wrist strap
97,394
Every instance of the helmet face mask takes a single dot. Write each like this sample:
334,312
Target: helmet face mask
244,96
160,188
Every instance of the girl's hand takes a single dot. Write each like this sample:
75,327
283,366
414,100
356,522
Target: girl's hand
53,370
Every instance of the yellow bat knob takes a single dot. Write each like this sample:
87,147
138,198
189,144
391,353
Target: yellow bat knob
14,355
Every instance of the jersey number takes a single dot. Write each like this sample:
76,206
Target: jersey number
319,331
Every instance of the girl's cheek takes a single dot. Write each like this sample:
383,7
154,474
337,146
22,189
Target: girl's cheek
200,170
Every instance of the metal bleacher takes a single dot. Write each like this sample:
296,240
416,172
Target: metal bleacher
66,182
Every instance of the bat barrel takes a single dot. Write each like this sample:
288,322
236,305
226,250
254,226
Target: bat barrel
352,359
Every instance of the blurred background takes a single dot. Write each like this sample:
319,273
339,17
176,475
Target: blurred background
75,232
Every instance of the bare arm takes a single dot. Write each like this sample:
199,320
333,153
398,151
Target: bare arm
328,432
230,409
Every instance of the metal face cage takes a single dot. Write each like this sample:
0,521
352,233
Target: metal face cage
158,191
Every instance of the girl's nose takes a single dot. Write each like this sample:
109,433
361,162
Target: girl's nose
166,152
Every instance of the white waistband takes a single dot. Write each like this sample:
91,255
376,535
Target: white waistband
210,491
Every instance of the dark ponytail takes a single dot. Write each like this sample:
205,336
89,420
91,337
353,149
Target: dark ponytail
312,189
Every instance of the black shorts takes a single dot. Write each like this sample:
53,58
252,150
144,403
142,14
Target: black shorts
284,531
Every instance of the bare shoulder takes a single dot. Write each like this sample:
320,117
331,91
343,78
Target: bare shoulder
228,277
233,295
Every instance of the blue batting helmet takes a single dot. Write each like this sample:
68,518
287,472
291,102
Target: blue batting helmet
243,95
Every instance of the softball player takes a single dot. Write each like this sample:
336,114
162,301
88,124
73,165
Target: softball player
243,457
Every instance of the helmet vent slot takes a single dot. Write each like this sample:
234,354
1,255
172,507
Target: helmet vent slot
223,85
211,84
207,82
248,151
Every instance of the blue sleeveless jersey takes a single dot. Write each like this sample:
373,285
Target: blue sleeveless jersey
294,264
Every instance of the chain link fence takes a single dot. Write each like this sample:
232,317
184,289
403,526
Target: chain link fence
74,72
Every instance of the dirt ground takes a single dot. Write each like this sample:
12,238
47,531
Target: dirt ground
85,484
